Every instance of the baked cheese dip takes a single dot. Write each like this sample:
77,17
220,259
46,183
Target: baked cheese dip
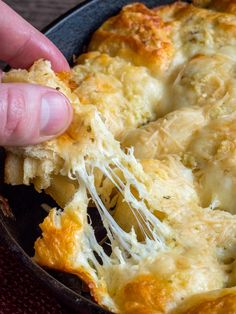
152,148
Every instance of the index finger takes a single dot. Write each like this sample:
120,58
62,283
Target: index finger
21,44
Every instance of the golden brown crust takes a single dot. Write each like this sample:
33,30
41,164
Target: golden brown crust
138,35
57,246
57,243
221,305
228,6
145,295
67,78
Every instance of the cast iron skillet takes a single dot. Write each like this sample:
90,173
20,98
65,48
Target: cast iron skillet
70,33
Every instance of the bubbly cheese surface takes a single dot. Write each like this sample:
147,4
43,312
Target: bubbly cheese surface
152,150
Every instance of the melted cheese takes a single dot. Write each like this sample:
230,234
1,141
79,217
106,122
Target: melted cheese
169,135
164,190
126,96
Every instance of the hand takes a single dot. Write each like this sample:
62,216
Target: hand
29,113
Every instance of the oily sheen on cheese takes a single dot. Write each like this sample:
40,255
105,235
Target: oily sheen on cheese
152,148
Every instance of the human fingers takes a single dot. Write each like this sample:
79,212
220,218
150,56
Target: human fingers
30,114
21,44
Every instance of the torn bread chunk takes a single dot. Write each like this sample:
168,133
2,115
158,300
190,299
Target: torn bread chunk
125,95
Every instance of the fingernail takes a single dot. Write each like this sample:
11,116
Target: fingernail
55,114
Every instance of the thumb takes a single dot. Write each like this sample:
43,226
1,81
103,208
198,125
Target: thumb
30,114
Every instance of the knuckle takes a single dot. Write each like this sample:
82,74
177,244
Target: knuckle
13,109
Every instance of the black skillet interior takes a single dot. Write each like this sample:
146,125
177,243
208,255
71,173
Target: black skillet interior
70,33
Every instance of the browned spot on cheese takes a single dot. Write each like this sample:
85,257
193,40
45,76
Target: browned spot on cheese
221,305
57,242
138,35
145,295
66,78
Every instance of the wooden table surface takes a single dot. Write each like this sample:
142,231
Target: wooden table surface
41,12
